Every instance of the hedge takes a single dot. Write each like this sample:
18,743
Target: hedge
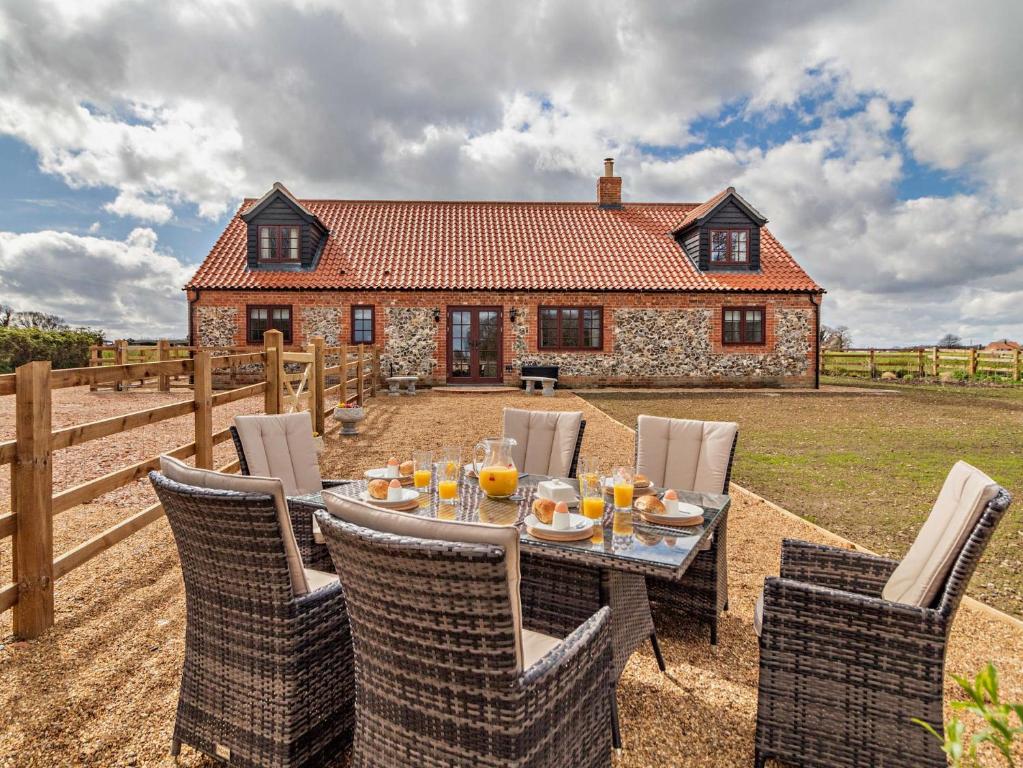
65,349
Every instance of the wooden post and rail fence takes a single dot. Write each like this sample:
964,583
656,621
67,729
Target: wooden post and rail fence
923,362
292,381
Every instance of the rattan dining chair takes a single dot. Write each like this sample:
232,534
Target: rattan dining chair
852,646
268,675
445,673
696,456
546,442
283,446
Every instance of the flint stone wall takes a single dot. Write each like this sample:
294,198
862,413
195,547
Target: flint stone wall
411,342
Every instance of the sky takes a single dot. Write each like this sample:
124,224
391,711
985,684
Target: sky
881,139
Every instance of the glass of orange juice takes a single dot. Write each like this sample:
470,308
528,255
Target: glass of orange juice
621,477
449,467
590,492
423,474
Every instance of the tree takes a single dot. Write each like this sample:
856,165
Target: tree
950,341
837,339
6,314
40,320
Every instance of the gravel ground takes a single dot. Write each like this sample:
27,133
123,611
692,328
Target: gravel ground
101,688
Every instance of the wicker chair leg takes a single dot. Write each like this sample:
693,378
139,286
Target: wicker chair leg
759,759
175,747
616,729
657,651
714,632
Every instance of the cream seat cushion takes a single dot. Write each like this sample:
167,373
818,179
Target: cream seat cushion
281,446
536,645
401,524
684,454
544,440
920,576
179,472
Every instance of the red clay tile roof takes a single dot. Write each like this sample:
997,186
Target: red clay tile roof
386,245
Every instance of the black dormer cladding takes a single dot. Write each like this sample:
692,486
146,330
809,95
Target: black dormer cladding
280,211
695,238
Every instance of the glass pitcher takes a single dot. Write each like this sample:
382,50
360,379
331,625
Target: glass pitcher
497,474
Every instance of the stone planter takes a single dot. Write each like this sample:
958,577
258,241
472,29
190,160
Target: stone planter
349,418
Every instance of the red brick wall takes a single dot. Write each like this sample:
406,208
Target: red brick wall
609,301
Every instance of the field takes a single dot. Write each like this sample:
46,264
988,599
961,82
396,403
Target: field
867,463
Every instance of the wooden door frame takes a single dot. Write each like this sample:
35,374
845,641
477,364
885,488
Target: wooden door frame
474,309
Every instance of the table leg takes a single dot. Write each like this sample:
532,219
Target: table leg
657,651
392,389
605,599
548,389
529,387
411,387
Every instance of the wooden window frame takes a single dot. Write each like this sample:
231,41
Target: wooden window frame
372,323
276,230
560,308
729,259
742,326
288,337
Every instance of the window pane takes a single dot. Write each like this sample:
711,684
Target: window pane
570,327
739,246
718,246
264,243
293,243
733,321
548,327
754,326
362,325
591,328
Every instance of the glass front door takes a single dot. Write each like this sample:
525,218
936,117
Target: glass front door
474,345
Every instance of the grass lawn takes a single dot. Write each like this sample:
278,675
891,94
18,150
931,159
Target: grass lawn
865,464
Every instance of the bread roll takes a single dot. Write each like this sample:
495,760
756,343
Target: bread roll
649,503
378,488
406,468
639,479
544,510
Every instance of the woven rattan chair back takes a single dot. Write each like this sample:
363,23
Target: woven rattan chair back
230,546
951,594
437,611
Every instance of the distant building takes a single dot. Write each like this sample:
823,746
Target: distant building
1003,345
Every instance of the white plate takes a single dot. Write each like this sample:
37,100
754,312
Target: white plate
380,473
407,495
685,509
575,523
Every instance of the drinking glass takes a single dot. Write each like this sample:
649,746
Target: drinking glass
449,467
591,494
423,474
623,491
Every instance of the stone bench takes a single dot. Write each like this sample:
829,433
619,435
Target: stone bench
395,382
547,383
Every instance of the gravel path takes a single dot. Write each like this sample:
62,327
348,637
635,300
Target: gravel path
101,688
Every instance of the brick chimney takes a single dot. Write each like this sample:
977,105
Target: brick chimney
609,186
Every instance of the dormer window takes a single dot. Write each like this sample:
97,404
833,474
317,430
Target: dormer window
729,246
278,244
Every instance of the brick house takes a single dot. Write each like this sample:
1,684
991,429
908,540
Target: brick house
470,292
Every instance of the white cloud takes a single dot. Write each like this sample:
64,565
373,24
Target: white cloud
127,288
127,204
198,103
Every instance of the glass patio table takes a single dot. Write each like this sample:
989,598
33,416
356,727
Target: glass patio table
651,550
563,583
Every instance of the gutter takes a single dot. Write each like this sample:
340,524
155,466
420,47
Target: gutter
815,299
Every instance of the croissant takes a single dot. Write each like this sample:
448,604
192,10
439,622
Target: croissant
544,510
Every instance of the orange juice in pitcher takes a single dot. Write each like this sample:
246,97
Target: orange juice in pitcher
497,473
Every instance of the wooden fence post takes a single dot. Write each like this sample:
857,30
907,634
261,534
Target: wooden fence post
343,363
359,395
32,502
95,358
873,365
203,391
1015,365
121,358
374,380
273,343
971,364
920,362
163,353
935,362
316,397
